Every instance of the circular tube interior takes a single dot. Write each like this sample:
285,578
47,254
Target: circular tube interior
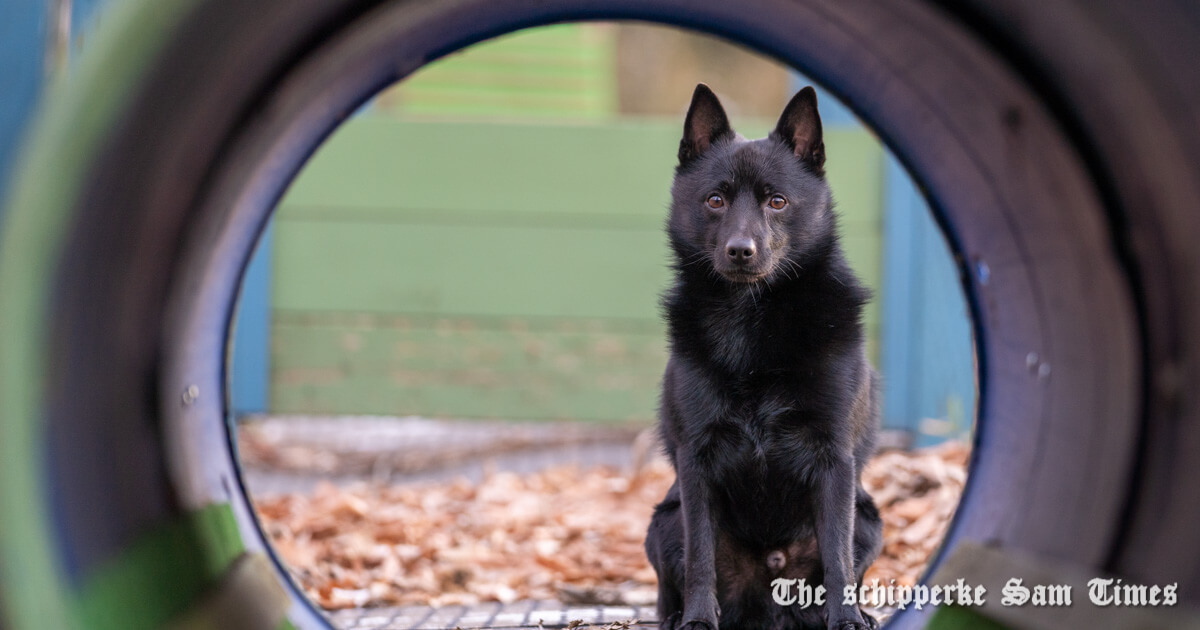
1010,191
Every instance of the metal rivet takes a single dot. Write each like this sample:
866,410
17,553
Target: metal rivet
191,394
982,271
1044,370
1031,360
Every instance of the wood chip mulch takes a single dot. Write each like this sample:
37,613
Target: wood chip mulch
567,534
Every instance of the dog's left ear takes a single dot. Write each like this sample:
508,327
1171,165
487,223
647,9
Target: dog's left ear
799,127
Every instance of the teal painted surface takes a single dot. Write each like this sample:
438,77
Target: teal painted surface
251,351
24,29
928,360
84,16
22,73
900,300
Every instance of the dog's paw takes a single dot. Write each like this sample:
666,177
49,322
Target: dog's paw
671,623
701,613
868,623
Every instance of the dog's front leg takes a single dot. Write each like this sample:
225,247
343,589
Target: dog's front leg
835,535
700,608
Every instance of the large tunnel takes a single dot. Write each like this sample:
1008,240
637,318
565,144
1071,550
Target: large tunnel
1059,145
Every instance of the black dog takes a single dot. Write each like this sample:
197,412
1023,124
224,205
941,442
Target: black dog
769,405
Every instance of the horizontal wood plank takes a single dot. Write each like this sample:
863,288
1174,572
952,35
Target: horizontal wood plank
497,270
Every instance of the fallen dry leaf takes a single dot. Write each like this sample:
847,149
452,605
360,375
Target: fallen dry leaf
563,533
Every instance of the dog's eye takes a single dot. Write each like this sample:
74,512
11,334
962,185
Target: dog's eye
716,201
777,202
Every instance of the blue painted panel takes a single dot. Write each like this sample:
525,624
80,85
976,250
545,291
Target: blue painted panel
251,361
946,356
24,29
22,72
897,331
927,351
84,16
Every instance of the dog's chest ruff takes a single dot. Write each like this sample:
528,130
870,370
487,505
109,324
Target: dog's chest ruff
734,332
759,436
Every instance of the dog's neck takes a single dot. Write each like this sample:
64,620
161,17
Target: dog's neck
731,320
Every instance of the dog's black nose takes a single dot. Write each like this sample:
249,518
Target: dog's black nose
740,249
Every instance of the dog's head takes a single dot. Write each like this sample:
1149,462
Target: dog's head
750,210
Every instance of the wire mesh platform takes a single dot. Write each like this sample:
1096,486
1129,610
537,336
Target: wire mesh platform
521,614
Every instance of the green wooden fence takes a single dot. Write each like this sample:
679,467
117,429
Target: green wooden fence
496,270
562,71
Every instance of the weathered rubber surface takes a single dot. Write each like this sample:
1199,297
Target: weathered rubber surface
1060,148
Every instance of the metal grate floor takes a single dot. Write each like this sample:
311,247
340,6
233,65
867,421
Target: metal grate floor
522,614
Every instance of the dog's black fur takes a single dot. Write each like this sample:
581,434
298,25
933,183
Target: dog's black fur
769,405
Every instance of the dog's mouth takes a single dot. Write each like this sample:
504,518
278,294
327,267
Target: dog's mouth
743,276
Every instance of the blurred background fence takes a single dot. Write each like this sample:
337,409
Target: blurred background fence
484,240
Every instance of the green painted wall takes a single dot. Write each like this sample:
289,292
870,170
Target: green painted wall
562,71
496,270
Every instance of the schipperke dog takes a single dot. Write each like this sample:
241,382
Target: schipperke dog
769,406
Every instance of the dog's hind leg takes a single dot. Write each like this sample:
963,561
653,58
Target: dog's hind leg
664,548
868,541
868,533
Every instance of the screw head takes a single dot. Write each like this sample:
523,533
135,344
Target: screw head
983,271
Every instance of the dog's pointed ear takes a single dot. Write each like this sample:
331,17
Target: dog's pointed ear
799,127
706,123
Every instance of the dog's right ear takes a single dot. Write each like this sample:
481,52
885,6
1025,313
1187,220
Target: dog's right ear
705,124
